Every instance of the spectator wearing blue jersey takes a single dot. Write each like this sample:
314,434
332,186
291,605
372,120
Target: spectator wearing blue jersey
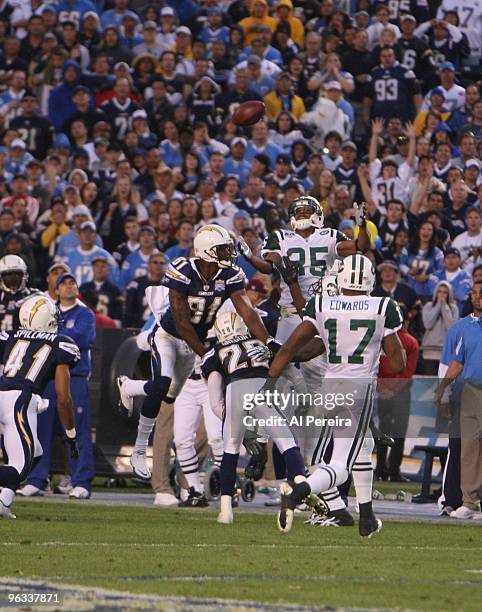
259,82
80,259
170,147
78,322
70,240
184,235
422,261
115,16
74,10
136,264
452,273
259,143
61,102
261,47
236,164
213,28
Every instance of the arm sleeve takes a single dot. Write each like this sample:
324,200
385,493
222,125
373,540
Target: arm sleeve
309,311
271,244
393,318
176,279
236,282
67,352
430,313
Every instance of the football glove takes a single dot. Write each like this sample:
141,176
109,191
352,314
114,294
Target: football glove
74,447
273,345
251,444
360,213
258,353
288,270
244,248
254,469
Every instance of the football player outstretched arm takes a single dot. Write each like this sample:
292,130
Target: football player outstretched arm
65,406
303,334
250,316
395,352
262,265
182,318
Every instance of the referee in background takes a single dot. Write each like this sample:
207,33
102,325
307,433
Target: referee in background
467,362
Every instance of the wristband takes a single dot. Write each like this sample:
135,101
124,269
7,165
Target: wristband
71,433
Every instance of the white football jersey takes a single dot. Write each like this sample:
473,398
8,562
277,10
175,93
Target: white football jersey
470,17
352,329
314,255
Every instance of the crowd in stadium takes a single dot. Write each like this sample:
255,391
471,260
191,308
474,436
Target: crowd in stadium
117,141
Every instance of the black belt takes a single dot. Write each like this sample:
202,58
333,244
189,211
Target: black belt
195,376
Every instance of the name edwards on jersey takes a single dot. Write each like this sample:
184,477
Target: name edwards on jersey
353,306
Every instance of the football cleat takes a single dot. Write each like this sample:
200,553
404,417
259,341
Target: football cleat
336,518
5,512
317,504
291,495
79,493
30,491
125,400
64,487
194,500
367,526
139,465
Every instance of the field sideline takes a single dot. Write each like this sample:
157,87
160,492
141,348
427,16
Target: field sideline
184,553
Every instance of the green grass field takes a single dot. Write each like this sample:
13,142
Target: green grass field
185,553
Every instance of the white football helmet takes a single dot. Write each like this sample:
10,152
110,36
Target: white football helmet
229,325
214,244
316,219
356,274
14,265
39,313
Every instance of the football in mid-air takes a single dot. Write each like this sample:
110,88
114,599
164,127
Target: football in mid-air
249,113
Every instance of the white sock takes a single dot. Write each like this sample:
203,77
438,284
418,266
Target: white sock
226,504
320,480
134,388
333,499
363,480
194,480
6,497
144,430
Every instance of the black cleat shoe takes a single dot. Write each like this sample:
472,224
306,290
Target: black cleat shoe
337,518
291,495
367,526
194,500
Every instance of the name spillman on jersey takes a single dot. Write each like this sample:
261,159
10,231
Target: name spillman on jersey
352,329
204,297
314,256
30,358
